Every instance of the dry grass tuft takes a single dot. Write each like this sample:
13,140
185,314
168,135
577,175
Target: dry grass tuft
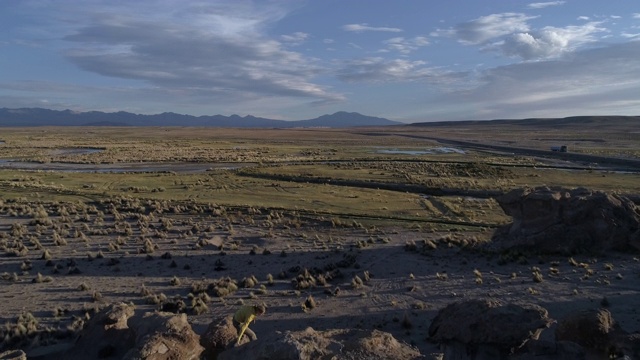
309,304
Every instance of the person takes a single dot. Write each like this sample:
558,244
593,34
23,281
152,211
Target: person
243,317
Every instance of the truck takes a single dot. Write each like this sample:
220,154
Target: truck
560,148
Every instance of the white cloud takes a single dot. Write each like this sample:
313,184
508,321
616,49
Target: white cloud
592,81
549,41
541,5
380,70
365,27
406,46
635,15
294,39
615,17
486,28
585,18
328,41
201,49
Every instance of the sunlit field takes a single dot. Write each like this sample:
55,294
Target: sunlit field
202,220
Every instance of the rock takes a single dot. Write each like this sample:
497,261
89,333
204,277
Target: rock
164,336
550,350
592,329
117,316
629,345
599,334
106,335
586,221
219,335
118,333
376,345
486,329
339,344
13,355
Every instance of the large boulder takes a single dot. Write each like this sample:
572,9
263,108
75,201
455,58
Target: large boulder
13,355
164,336
219,335
551,350
486,329
594,329
558,220
117,332
599,334
309,344
106,335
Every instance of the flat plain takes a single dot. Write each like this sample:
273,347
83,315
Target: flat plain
201,220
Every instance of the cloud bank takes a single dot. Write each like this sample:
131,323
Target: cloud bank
365,27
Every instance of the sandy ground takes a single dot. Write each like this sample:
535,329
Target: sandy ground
402,283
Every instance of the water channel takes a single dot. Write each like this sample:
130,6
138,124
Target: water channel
181,167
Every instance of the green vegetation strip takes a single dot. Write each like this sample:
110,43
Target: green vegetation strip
411,188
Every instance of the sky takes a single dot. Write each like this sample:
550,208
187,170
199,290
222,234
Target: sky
405,60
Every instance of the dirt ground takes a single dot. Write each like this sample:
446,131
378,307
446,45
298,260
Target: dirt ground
401,291
63,261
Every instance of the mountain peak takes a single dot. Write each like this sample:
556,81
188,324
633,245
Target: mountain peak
47,117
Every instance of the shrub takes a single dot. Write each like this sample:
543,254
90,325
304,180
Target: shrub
406,321
42,279
46,255
144,291
248,282
537,275
309,303
356,282
198,306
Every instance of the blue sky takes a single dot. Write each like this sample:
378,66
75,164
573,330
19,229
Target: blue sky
406,60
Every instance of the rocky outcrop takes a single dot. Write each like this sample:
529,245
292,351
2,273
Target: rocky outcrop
164,336
13,355
599,334
341,344
486,329
106,335
551,350
118,333
219,335
590,328
557,220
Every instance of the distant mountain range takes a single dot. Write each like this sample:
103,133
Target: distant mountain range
566,122
46,117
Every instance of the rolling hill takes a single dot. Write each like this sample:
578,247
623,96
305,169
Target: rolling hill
46,117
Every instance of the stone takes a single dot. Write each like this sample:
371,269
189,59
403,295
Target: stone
163,336
13,355
592,329
486,329
559,220
338,344
219,335
117,332
106,335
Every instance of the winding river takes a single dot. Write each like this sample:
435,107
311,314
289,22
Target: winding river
179,167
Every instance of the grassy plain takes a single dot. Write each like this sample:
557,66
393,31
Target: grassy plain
237,203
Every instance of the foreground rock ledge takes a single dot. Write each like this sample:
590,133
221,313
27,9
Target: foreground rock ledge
486,329
118,333
599,334
559,220
339,344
